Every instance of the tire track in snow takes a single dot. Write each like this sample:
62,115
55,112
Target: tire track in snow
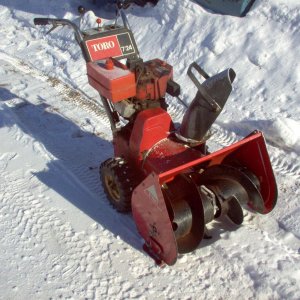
66,92
280,159
42,125
71,149
91,181
81,251
43,240
51,248
282,162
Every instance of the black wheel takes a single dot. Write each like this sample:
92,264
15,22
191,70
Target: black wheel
118,181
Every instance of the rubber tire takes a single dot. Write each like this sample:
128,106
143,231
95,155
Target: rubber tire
118,182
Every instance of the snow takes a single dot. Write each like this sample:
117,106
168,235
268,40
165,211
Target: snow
59,237
285,131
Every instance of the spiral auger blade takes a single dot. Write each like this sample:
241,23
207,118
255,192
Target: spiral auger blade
186,213
225,189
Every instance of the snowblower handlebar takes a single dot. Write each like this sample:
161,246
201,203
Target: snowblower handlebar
59,22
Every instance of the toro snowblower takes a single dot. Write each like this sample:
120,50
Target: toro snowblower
162,174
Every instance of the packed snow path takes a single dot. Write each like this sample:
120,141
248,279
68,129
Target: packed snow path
59,237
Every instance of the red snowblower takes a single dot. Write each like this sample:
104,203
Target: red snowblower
162,174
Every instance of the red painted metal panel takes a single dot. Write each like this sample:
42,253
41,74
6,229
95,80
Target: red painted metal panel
168,154
255,157
115,84
250,152
150,127
152,219
148,203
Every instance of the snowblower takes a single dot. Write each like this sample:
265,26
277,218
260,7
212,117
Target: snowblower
163,174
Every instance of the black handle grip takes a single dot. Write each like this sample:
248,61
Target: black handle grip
41,21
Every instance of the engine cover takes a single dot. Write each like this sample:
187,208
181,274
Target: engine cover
152,83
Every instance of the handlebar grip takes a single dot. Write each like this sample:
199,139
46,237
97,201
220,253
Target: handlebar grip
41,21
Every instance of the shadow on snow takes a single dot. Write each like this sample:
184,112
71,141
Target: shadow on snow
73,172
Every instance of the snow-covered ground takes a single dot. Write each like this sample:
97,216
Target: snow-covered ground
59,237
